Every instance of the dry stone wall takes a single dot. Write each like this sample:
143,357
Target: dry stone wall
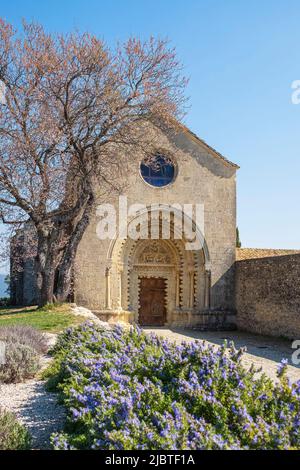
268,294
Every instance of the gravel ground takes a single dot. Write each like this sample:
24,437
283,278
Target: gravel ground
36,408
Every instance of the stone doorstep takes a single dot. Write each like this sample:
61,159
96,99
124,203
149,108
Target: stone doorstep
114,316
210,321
203,321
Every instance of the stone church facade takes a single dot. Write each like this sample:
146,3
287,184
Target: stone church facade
152,280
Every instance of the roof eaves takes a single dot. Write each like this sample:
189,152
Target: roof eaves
211,149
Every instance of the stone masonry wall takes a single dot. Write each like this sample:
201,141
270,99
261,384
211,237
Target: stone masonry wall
268,294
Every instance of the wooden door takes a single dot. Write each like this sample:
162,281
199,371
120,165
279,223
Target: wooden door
152,301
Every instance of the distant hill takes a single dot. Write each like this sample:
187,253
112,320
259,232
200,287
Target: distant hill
3,286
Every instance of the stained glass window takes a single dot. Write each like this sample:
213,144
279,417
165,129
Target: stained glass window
159,171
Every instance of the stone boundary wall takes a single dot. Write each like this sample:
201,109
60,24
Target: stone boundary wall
268,294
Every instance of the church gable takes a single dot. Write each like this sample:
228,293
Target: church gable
210,149
188,142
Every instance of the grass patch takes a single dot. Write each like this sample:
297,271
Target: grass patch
51,318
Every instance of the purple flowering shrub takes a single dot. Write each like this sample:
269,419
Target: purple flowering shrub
124,389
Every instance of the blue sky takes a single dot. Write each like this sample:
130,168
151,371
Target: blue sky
242,58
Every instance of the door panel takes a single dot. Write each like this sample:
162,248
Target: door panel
152,301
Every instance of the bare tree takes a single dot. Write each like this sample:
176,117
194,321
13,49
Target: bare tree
71,107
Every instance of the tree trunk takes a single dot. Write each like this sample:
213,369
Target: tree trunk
65,267
54,275
46,292
45,266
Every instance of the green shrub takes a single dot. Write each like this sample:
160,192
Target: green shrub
5,301
21,362
54,375
127,390
13,436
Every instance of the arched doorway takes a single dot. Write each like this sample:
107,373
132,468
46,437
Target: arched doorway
152,301
153,281
157,281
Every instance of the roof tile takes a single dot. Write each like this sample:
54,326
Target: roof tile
253,253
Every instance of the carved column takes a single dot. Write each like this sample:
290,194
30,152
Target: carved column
120,276
177,287
191,295
107,297
128,291
207,288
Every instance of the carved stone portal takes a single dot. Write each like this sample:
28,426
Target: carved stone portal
182,271
156,253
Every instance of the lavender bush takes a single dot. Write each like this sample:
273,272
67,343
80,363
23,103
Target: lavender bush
127,390
24,344
21,363
26,335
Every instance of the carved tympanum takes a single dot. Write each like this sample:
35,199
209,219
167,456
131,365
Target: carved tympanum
154,252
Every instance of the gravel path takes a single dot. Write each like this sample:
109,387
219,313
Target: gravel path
36,408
